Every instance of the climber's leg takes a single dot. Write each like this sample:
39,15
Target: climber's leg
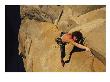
62,49
68,49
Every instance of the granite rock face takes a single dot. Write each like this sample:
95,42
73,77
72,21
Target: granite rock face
64,16
42,24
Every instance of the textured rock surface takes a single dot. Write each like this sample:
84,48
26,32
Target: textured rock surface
37,38
66,17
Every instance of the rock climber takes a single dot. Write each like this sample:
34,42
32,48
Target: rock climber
67,42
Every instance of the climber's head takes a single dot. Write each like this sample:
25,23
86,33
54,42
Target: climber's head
77,36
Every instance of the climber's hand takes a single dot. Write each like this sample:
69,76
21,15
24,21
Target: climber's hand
87,49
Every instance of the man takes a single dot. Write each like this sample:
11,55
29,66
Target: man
67,41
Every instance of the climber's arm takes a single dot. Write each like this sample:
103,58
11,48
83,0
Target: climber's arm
79,45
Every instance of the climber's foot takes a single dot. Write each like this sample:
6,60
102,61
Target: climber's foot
63,63
67,61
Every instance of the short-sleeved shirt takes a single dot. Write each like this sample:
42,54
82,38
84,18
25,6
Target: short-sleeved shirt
66,38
